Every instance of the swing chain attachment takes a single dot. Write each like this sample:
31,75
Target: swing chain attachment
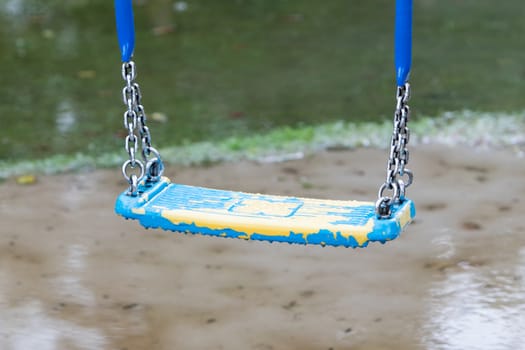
135,169
398,157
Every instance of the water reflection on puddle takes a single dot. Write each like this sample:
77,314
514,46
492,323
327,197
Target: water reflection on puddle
478,307
70,282
28,326
29,323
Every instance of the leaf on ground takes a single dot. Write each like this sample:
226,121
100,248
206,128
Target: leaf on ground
86,74
26,179
159,117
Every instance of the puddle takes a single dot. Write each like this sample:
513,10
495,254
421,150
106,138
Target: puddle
478,307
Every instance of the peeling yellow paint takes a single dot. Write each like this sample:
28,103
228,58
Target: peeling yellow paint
243,215
138,211
309,222
405,217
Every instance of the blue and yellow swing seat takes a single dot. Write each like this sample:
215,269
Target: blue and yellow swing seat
250,216
189,209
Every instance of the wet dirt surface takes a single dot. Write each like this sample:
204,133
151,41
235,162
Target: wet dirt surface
73,275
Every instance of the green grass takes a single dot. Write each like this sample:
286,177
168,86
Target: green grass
468,128
233,69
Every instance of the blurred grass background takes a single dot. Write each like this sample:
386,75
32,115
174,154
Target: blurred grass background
214,69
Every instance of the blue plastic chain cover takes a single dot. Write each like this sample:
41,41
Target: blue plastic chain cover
403,40
125,28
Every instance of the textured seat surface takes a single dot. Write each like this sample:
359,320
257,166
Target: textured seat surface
191,209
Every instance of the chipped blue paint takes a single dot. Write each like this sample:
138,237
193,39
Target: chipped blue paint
157,199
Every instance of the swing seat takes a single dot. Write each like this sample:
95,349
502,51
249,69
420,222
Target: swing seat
248,216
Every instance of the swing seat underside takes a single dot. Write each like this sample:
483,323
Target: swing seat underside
249,216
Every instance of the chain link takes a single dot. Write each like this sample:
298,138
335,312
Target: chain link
398,158
135,122
135,169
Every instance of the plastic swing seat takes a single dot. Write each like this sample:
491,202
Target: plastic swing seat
158,203
249,216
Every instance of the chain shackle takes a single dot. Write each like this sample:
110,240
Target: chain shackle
398,157
139,135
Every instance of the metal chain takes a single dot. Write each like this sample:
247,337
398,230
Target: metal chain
398,157
135,122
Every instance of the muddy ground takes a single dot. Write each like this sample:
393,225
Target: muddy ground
73,275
